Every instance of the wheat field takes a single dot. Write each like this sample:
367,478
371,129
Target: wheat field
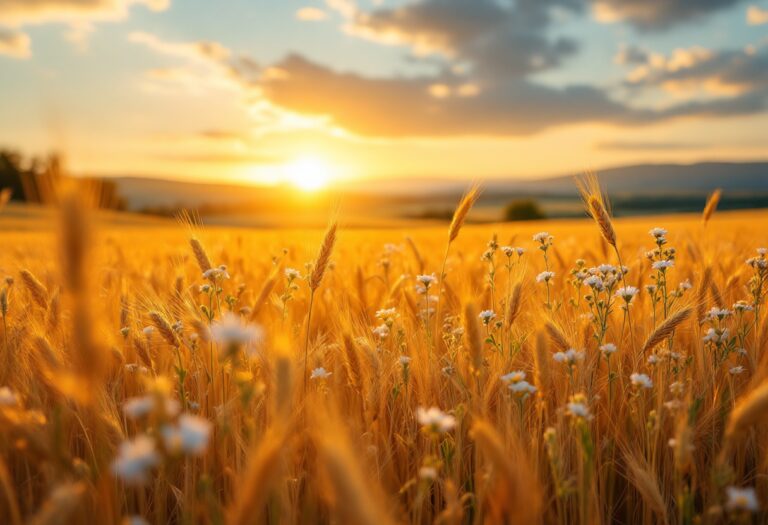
585,371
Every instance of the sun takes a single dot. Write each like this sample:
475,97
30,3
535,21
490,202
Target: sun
308,173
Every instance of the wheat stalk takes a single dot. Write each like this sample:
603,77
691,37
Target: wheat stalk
711,206
665,329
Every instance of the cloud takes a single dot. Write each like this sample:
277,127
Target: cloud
653,15
392,107
14,44
208,61
487,54
209,66
311,14
757,16
409,106
231,158
620,145
346,8
721,72
79,15
496,38
631,55
24,12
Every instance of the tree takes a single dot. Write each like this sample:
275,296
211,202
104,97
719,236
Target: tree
523,210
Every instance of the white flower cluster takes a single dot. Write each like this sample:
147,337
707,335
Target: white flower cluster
641,380
434,420
569,357
518,385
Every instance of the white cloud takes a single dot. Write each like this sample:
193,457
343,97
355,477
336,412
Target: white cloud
25,12
311,14
757,16
14,44
79,15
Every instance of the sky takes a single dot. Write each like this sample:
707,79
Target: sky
265,91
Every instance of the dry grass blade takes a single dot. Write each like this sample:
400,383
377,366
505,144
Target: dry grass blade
517,497
639,473
541,362
323,257
749,410
416,253
460,215
266,289
60,506
556,337
474,337
711,206
262,473
701,294
36,289
353,494
164,327
514,304
666,329
200,255
597,208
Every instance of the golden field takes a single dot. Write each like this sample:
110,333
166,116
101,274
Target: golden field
141,382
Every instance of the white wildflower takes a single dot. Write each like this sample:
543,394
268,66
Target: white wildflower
608,349
736,370
718,313
742,306
716,336
569,357
641,380
487,316
387,314
663,265
742,499
231,330
578,408
8,397
606,268
381,331
215,274
426,280
320,373
134,520
513,377
428,473
542,237
139,407
545,277
135,459
627,293
522,388
189,436
593,281
435,420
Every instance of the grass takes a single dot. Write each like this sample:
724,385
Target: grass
134,386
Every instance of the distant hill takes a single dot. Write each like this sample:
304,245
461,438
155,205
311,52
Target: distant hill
644,179
661,178
634,190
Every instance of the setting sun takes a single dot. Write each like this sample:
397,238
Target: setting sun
308,173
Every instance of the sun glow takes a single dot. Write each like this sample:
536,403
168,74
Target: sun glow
308,173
